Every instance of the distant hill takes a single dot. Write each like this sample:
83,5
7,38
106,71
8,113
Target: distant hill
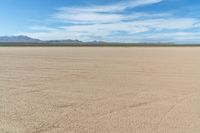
63,41
18,39
26,39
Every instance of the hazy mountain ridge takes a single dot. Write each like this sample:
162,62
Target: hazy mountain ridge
22,40
26,39
63,41
18,39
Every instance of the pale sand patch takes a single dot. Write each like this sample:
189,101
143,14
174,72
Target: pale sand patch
99,90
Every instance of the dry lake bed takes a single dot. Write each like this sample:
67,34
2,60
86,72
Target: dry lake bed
99,89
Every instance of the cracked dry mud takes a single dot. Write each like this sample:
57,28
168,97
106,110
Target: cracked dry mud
99,90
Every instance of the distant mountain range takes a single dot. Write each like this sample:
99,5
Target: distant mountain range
18,39
26,39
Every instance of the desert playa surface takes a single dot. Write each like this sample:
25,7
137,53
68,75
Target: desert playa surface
99,89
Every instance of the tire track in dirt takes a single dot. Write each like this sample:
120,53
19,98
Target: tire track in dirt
173,107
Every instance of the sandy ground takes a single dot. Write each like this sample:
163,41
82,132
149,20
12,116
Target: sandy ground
99,90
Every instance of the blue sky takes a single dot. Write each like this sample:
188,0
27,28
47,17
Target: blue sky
103,20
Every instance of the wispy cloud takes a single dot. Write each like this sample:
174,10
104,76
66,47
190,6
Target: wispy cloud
89,31
115,22
100,14
117,7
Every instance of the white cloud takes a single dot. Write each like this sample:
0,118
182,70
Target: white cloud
94,31
178,37
197,25
169,23
42,28
113,23
99,14
117,7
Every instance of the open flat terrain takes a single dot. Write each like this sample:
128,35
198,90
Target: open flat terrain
99,90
